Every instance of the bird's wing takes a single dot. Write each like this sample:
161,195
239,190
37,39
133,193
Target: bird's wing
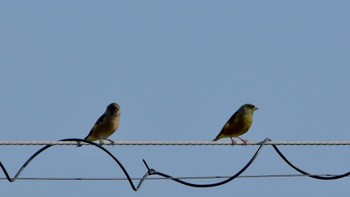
233,118
229,122
98,122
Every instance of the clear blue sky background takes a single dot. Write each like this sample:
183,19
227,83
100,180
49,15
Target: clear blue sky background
179,69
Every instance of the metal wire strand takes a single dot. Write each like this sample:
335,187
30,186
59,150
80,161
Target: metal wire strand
152,172
67,140
163,178
321,177
179,143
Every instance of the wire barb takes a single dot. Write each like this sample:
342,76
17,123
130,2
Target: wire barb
144,162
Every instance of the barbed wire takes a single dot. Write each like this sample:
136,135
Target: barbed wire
181,180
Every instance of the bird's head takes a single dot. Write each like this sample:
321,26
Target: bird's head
113,108
250,107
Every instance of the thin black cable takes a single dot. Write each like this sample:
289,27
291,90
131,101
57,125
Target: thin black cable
327,177
163,178
151,172
148,173
70,139
154,172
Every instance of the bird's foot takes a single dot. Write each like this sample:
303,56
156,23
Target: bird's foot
245,142
233,142
101,141
111,141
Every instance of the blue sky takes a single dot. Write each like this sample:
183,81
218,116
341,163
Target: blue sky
179,69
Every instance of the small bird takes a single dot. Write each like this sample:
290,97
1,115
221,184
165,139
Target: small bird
238,124
106,125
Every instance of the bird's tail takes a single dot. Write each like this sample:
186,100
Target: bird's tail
216,139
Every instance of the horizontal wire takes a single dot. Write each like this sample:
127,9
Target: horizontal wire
183,143
180,180
164,178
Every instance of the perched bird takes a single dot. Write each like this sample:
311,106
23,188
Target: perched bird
238,124
106,125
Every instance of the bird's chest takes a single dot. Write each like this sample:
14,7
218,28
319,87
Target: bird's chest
107,128
242,124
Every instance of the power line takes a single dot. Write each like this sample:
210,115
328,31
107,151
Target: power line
152,172
180,143
163,178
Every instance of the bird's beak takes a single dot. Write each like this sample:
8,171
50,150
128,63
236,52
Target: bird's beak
255,108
